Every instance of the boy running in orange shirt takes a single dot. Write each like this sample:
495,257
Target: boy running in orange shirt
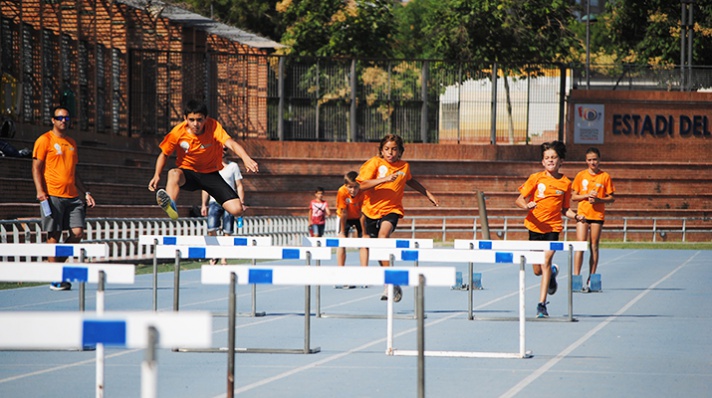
546,196
592,189
198,142
349,200
383,179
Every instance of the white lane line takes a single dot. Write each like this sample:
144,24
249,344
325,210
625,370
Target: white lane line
543,369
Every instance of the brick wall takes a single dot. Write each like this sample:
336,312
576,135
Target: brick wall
664,139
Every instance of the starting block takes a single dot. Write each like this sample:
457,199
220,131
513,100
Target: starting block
594,283
476,281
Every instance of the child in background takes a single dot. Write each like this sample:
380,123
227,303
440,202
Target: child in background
349,199
592,189
546,196
318,211
383,179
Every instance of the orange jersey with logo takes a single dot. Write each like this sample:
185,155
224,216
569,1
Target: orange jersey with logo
60,157
585,182
352,205
200,153
387,197
551,195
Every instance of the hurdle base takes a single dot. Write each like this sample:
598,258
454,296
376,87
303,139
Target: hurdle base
240,314
532,319
365,316
463,354
242,350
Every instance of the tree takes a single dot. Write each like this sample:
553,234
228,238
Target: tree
509,32
258,17
337,28
648,31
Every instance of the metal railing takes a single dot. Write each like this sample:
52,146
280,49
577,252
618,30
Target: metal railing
121,234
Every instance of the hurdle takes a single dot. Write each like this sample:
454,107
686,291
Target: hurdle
421,353
368,243
82,251
130,330
570,246
254,253
307,276
155,240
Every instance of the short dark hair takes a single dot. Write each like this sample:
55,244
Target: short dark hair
195,106
557,146
58,107
350,177
319,189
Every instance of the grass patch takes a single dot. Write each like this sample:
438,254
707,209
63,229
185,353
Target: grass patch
658,245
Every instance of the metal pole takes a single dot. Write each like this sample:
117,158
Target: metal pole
571,293
683,33
493,119
155,276
100,346
176,281
424,99
588,44
317,292
232,305
483,214
420,300
522,308
470,310
280,93
149,367
352,108
307,311
82,291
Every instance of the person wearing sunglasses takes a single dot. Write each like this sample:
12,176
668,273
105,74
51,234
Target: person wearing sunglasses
59,188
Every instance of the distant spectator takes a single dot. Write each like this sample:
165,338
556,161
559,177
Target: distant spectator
318,211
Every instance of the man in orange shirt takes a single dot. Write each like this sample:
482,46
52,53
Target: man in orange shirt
198,142
546,196
54,171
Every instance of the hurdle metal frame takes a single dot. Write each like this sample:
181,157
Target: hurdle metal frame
570,246
421,352
307,276
368,243
155,240
82,251
254,253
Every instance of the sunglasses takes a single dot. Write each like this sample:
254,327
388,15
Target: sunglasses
61,118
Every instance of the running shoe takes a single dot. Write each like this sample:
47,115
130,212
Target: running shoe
541,311
552,281
397,293
166,204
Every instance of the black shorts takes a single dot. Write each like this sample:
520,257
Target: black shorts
594,221
212,183
353,223
549,236
374,225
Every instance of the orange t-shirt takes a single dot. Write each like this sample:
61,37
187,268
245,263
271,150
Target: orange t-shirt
551,195
60,157
351,204
384,198
200,153
585,182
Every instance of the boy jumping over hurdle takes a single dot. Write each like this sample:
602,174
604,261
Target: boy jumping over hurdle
198,142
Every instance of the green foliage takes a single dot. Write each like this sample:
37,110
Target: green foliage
258,17
647,32
509,32
336,28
